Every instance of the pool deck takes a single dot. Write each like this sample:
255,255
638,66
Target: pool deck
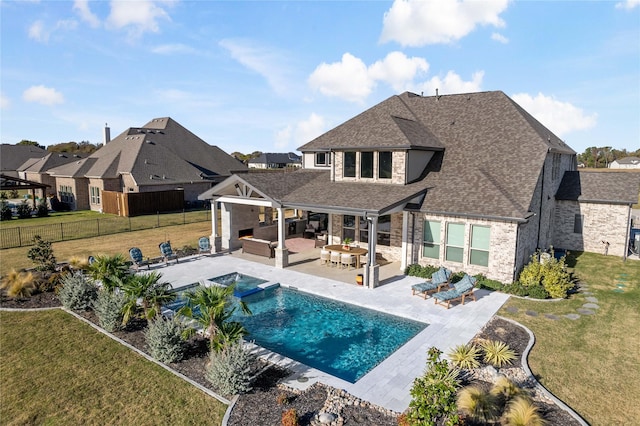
387,385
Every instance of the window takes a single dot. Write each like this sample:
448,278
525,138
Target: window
66,194
577,224
384,230
323,158
94,191
385,163
349,227
555,167
455,242
366,165
431,239
479,245
349,167
364,230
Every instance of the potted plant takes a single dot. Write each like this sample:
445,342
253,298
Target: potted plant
346,243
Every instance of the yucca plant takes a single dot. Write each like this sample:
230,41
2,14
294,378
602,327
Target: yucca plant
18,284
465,356
522,412
478,404
497,353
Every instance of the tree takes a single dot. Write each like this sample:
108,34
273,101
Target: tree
212,307
148,289
110,270
42,255
28,142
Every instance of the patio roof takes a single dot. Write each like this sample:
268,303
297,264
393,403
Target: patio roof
314,190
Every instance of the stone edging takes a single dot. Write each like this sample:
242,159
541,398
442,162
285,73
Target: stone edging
138,351
541,388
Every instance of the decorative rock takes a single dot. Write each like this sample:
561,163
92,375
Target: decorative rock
511,309
572,316
552,317
326,418
531,313
591,299
584,311
591,306
587,292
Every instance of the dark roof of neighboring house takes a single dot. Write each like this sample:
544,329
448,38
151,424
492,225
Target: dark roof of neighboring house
14,156
628,160
160,152
276,158
53,159
600,187
492,149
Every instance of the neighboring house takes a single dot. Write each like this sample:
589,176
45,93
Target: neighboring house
625,163
37,169
160,157
270,160
14,156
464,181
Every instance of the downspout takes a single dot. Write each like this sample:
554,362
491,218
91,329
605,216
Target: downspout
515,258
333,165
627,234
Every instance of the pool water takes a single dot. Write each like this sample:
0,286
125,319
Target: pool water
244,284
341,339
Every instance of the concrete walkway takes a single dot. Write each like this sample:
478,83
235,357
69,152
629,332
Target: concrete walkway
389,383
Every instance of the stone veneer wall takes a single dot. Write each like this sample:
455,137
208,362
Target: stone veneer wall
235,217
502,247
602,222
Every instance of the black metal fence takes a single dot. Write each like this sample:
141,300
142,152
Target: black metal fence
23,235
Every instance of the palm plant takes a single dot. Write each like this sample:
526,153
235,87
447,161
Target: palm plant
148,291
110,270
465,356
497,353
211,308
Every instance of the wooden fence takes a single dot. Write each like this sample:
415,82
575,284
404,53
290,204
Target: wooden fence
128,204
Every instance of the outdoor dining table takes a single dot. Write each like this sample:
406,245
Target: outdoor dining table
356,251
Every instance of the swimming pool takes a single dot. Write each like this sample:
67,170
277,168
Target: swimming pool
244,284
338,338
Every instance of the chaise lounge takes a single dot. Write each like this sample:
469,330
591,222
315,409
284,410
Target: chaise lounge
439,279
460,290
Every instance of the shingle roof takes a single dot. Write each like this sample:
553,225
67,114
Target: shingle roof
600,187
160,152
628,160
53,159
276,158
14,156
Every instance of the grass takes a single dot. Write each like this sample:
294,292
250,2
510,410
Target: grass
590,363
147,240
58,217
51,375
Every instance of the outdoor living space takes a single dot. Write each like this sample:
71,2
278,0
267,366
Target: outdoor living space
388,384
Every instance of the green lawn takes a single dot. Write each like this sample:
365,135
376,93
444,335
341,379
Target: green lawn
58,370
591,363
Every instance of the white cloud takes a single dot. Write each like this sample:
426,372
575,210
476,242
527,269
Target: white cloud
348,79
499,38
268,62
39,32
560,117
43,95
300,133
418,22
5,103
138,17
398,70
628,4
174,48
82,8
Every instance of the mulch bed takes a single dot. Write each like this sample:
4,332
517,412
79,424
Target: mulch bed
264,404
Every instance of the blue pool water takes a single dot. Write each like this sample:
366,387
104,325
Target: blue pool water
343,340
244,284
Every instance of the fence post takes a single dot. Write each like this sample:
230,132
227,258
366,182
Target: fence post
184,217
19,237
98,226
61,232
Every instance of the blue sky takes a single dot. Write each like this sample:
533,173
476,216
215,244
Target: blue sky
270,76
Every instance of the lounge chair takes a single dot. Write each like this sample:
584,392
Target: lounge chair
167,252
460,290
439,279
204,247
136,257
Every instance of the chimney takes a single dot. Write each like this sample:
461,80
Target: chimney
107,134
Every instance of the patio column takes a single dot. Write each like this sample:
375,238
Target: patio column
372,269
216,239
282,254
405,238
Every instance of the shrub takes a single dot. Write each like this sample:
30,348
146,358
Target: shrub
108,307
228,369
18,284
42,254
42,210
486,283
522,412
548,272
290,417
109,270
282,399
532,273
479,405
77,292
537,292
79,263
497,353
516,289
24,210
164,339
417,270
5,211
505,390
434,394
465,356
457,276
